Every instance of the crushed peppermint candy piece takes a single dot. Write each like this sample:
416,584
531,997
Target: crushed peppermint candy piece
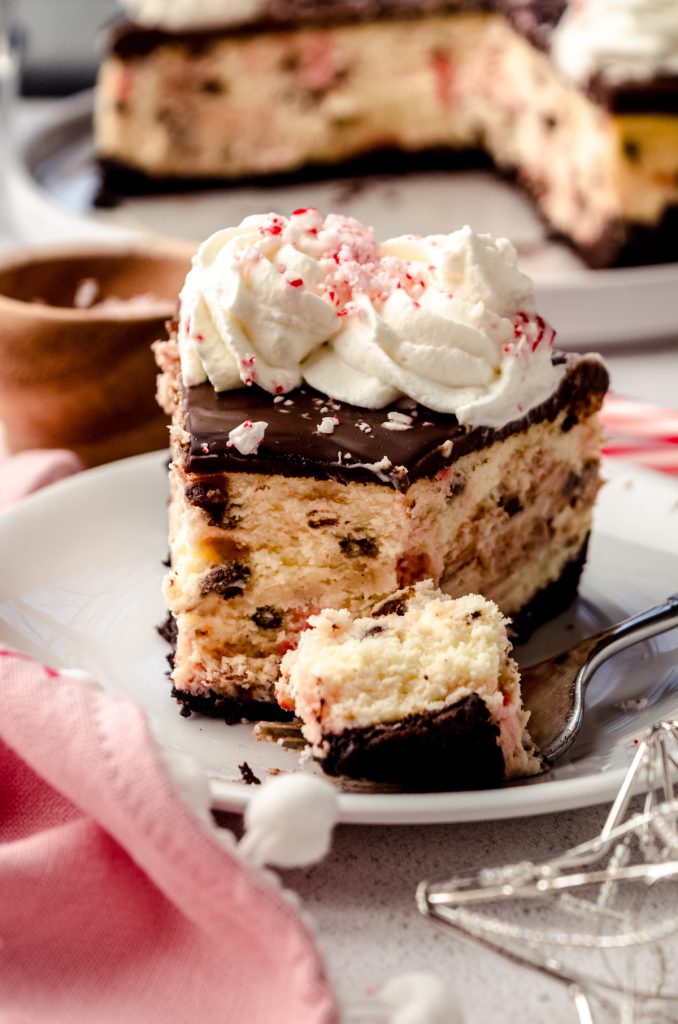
365,427
635,704
327,425
394,425
400,417
445,449
381,469
247,436
278,399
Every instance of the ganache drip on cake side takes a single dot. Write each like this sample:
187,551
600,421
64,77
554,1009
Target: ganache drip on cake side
292,446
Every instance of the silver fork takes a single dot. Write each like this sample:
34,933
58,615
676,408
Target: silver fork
553,690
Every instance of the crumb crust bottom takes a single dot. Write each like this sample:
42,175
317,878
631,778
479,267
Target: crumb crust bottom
215,705
621,244
551,600
453,748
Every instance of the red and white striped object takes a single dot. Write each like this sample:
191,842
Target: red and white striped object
645,434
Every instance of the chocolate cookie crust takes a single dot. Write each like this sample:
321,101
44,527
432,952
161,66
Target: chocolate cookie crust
455,748
551,600
215,705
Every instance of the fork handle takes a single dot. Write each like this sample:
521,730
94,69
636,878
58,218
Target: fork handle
611,641
642,626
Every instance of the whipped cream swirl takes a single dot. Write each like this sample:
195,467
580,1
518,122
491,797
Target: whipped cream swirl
621,39
180,15
446,320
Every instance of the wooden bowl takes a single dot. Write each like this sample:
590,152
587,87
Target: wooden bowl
81,378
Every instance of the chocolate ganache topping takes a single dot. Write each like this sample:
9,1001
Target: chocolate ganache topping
391,447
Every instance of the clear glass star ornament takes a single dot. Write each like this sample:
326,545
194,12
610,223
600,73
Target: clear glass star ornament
601,918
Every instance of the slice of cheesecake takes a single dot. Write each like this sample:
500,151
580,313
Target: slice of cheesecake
285,504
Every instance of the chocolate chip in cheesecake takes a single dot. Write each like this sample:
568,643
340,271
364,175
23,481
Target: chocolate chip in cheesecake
268,617
290,62
631,150
318,519
212,498
214,87
511,504
227,580
373,631
457,486
395,605
356,545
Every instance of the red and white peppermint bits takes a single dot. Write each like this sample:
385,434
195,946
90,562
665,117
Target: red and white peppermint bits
247,437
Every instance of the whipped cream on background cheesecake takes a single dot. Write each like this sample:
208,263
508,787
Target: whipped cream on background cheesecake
449,442
620,39
581,103
422,691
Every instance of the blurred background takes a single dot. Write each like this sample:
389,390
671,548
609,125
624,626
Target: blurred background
59,44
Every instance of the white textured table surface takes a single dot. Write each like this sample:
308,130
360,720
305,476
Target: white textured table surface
362,897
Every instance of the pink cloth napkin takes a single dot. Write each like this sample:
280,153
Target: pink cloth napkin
117,903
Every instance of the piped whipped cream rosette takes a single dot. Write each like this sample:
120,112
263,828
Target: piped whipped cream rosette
445,320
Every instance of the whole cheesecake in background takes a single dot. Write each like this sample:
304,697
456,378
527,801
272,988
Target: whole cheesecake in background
580,103
349,418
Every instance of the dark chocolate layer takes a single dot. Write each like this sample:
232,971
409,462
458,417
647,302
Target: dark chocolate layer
455,748
216,705
131,41
657,95
292,446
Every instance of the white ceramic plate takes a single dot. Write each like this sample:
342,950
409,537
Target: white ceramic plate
80,588
53,182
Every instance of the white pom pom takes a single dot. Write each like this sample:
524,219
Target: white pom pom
289,821
78,675
419,998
